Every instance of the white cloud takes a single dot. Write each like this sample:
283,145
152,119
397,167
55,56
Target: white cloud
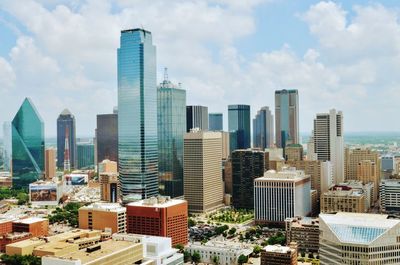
7,75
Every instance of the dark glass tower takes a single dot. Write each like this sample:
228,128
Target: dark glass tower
196,117
215,122
137,115
239,124
286,117
66,121
107,137
171,129
263,129
27,135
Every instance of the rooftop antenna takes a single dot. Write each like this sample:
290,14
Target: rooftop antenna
165,74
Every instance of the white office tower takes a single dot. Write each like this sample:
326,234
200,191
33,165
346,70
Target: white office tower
326,175
311,155
281,195
328,141
358,238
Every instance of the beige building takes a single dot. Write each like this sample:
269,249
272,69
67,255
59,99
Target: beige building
108,166
304,231
367,172
203,185
343,200
109,191
294,152
101,216
50,163
226,151
355,156
279,255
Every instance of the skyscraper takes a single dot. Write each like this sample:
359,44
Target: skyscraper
215,122
196,117
27,145
286,117
171,115
328,141
263,129
50,163
85,155
137,114
66,125
239,125
107,137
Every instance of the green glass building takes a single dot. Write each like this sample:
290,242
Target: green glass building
27,135
171,129
137,115
85,153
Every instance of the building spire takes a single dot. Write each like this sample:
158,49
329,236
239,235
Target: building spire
165,74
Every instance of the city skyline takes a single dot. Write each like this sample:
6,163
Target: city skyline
236,60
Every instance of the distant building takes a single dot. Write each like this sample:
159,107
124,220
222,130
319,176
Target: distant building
294,152
159,216
247,165
215,122
349,238
343,199
390,195
171,120
85,155
287,117
226,151
366,173
388,163
196,117
107,137
107,166
7,146
263,129
281,195
329,142
279,255
36,226
304,231
50,163
66,124
103,216
109,191
239,125
27,145
203,189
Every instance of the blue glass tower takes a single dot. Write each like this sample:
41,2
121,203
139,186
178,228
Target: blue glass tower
286,117
171,129
27,135
66,122
215,122
137,115
263,129
239,124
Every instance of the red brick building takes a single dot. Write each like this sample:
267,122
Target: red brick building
12,238
36,226
159,216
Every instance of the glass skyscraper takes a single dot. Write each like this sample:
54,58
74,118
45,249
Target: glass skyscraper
263,129
196,117
137,115
286,117
85,154
171,129
7,145
239,125
107,137
215,122
27,135
66,121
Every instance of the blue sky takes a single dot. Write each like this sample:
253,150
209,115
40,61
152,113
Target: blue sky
342,55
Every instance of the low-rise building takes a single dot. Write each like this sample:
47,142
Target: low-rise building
108,166
101,216
109,191
279,255
36,226
304,231
226,252
10,238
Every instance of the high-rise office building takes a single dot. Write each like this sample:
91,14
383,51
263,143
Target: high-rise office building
286,117
343,199
196,117
27,145
247,165
354,238
85,155
203,186
354,156
389,195
293,152
137,114
263,129
171,118
7,146
281,195
215,122
366,173
50,163
107,137
66,126
328,141
239,125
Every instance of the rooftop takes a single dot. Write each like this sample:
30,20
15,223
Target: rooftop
107,207
159,202
278,249
287,174
30,220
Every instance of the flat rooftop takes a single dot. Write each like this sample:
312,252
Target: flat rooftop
157,204
107,207
30,220
278,249
286,175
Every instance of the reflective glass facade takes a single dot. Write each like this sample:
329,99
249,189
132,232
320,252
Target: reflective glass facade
171,129
263,129
7,146
215,122
66,121
137,115
27,145
107,137
286,117
85,155
239,122
196,117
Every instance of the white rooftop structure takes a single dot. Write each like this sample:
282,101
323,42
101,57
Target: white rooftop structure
157,202
277,249
30,220
106,207
287,173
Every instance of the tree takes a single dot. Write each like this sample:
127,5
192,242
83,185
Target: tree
310,255
232,231
20,260
303,254
242,259
256,249
215,259
196,257
180,247
22,198
191,222
186,256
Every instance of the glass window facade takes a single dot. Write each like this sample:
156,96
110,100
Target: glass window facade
66,121
286,117
85,155
171,129
215,122
263,129
239,122
107,137
27,145
137,115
